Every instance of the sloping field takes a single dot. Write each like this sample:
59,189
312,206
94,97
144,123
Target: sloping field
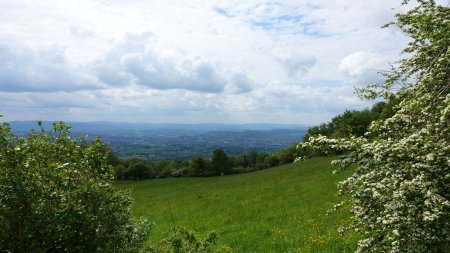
282,209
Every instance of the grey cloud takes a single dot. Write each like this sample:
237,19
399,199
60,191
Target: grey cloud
24,69
39,100
299,64
110,69
133,61
241,83
163,73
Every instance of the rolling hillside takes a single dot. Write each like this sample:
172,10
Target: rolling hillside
282,209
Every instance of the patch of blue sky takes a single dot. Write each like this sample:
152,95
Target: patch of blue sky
313,6
222,11
266,25
289,18
277,23
293,25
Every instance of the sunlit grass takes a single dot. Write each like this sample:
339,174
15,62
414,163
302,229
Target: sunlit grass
282,209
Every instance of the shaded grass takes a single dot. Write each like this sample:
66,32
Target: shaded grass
282,209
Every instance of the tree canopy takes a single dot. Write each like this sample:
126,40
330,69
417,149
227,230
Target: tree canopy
219,161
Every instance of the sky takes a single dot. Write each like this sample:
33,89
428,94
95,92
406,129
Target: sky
289,62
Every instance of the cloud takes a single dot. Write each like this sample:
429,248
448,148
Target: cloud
272,16
362,67
191,61
135,61
81,33
25,69
297,64
160,72
240,83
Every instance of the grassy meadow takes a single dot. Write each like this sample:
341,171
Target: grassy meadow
282,209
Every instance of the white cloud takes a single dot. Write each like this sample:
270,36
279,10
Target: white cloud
25,69
135,61
191,61
363,67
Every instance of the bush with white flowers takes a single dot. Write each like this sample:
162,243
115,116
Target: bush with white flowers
400,190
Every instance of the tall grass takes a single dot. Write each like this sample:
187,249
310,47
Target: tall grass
282,209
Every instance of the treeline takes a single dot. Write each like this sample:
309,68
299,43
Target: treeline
353,123
218,164
350,123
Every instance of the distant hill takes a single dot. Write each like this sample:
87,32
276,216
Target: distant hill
101,126
155,142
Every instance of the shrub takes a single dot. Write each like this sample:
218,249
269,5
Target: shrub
400,188
184,240
56,195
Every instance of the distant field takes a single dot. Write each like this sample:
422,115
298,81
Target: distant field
155,142
183,144
282,209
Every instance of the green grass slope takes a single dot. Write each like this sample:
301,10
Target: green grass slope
282,209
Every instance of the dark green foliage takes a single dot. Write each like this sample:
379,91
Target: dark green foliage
350,123
133,169
287,155
180,168
56,196
271,161
219,162
139,170
163,168
353,123
201,167
120,172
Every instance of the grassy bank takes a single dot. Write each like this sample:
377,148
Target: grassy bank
282,209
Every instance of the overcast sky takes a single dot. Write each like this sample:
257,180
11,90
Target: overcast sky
191,61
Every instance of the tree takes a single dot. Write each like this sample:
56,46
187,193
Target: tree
56,195
219,161
271,161
400,188
200,166
138,170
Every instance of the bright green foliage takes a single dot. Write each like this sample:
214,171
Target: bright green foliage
183,240
400,190
56,196
281,209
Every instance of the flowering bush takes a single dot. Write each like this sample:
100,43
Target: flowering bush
401,187
56,195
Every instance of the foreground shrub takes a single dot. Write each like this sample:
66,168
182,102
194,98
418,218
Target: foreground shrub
184,240
56,196
400,189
